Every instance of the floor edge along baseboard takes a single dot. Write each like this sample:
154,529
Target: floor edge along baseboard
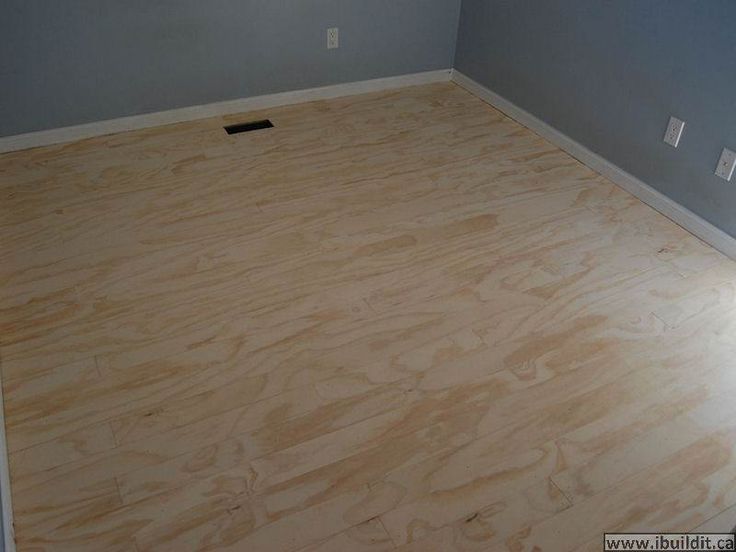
136,122
655,199
6,507
677,213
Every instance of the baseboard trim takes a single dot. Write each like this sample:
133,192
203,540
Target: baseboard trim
6,508
655,199
147,120
668,207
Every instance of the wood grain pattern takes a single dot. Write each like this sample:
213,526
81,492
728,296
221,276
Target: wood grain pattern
393,321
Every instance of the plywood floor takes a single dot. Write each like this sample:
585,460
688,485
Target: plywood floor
394,321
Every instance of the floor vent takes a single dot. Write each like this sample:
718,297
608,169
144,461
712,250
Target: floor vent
247,127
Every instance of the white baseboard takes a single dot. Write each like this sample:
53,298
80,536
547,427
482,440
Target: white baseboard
6,507
135,122
669,208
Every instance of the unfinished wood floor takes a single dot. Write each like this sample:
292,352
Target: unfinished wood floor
398,320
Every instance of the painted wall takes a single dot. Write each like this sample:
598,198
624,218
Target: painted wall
609,73
78,61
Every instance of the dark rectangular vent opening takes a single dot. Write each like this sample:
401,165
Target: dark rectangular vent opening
247,127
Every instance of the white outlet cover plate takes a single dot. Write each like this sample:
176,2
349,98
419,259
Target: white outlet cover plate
726,164
333,38
674,131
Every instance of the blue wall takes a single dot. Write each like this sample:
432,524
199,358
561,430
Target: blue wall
609,73
76,61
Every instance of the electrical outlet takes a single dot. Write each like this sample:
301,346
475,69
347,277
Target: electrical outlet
726,164
674,131
333,38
